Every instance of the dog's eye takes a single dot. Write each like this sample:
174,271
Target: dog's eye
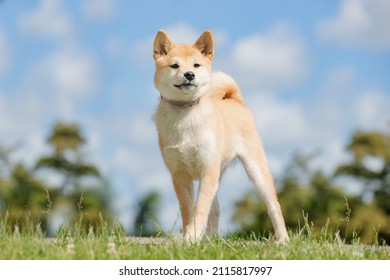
175,66
196,65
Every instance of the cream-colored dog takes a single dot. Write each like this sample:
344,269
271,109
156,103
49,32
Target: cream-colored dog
203,124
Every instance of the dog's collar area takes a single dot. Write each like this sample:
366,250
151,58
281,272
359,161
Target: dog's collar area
181,103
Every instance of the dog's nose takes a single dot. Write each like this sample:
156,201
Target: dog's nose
189,75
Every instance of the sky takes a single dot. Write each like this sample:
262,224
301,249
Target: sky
312,72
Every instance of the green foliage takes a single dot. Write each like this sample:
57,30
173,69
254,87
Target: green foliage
66,158
72,200
24,194
364,146
66,136
21,191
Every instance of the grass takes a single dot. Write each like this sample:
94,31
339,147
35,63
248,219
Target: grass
110,242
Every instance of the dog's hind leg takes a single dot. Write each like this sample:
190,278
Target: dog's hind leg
256,167
213,219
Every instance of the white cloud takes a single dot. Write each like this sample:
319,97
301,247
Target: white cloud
66,75
342,106
142,130
270,61
70,71
279,123
100,9
130,160
19,114
64,78
48,20
60,82
361,23
24,127
51,89
372,110
4,53
182,33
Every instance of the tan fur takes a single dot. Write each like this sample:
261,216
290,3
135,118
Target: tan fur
198,142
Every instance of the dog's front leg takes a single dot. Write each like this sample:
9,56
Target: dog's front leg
207,193
184,189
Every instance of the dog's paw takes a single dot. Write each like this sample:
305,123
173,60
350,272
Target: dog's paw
192,235
282,238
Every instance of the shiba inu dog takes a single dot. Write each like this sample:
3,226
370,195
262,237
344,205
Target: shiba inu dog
203,124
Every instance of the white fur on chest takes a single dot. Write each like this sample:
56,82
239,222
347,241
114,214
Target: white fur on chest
189,143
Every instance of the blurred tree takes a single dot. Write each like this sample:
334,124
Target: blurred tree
146,218
370,165
85,204
5,169
370,223
25,196
66,136
66,140
366,147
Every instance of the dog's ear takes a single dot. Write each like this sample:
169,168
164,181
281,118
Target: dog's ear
205,44
162,44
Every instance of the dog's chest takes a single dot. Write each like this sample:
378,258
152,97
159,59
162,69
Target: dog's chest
188,142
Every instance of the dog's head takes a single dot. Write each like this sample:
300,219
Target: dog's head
182,71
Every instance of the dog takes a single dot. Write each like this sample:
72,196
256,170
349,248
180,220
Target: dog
203,124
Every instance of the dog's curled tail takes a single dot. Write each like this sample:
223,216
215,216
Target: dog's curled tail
224,87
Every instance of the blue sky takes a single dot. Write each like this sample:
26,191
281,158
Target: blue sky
312,72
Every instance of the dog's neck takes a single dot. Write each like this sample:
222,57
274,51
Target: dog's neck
181,103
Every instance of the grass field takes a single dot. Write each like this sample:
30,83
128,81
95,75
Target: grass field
101,248
110,242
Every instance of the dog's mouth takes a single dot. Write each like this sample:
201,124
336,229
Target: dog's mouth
186,86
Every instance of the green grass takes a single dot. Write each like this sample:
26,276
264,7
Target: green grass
101,248
110,242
